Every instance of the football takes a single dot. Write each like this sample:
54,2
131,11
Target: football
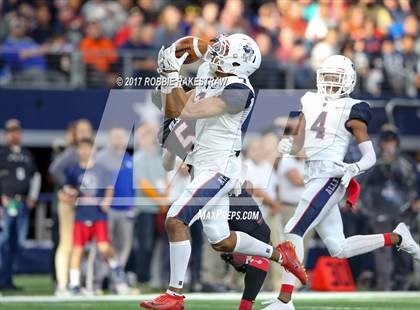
195,47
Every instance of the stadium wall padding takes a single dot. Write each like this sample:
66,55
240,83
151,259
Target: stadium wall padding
51,109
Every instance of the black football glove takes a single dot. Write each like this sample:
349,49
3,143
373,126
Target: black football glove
165,130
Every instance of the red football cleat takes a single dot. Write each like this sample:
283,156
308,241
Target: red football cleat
291,262
164,302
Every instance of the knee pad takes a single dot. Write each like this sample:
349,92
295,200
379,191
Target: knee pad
335,248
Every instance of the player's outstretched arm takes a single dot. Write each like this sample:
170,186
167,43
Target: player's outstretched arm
205,108
169,66
175,102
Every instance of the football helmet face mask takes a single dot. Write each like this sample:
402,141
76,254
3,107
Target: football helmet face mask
237,54
336,77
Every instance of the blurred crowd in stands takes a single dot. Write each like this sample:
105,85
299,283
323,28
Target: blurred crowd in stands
40,39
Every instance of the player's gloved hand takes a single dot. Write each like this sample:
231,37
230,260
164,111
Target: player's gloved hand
349,172
285,145
167,60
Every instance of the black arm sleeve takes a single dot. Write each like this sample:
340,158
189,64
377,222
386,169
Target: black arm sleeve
166,129
360,111
237,97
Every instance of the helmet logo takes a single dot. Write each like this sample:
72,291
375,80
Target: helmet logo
248,53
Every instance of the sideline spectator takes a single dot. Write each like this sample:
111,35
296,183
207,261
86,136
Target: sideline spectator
392,188
150,181
20,183
121,214
91,183
65,206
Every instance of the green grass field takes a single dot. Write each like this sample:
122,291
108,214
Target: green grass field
385,304
37,296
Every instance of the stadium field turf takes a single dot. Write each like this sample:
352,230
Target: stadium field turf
304,301
386,304
37,296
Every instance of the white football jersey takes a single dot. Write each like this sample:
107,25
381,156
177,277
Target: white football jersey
219,139
326,135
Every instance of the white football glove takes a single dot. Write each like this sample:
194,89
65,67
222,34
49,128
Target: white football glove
160,60
349,172
168,62
285,145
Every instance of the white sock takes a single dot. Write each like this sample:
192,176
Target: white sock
359,244
287,277
247,245
170,292
180,253
74,277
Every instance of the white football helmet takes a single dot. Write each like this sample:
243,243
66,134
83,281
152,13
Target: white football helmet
237,53
336,77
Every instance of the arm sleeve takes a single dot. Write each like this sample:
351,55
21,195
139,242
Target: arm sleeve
165,130
368,156
237,97
360,111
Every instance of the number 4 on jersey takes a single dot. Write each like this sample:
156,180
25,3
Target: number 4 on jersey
319,125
